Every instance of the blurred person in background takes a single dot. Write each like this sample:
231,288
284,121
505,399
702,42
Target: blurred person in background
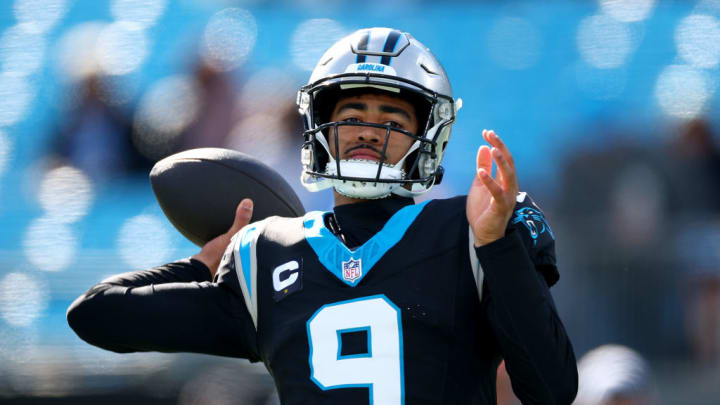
216,115
267,128
382,300
614,375
97,135
646,240
695,171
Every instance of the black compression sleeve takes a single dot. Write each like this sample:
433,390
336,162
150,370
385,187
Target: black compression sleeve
170,308
538,354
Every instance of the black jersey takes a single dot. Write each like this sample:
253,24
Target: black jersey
341,311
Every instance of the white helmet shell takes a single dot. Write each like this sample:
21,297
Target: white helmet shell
393,61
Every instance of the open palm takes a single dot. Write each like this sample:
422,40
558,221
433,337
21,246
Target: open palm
490,200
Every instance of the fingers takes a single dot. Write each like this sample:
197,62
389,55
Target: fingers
243,214
493,139
484,159
495,190
506,171
504,160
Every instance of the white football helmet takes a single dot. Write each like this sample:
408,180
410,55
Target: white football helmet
380,59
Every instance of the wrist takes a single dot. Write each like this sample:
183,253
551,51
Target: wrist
211,264
485,241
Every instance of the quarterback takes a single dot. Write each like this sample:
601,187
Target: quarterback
380,301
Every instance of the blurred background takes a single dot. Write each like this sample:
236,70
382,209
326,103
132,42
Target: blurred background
610,107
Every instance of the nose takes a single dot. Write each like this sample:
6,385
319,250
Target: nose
370,134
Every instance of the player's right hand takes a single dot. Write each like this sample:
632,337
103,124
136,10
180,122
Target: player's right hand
212,251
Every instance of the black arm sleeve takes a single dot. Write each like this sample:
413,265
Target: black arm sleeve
538,354
170,308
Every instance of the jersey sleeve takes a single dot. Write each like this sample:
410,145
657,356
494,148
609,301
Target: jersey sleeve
532,227
529,333
170,308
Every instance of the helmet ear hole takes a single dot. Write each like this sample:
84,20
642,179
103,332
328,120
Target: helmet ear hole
439,174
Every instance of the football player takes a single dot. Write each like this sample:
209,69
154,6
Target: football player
380,301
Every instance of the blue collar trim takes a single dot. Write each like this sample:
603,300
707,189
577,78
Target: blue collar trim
351,266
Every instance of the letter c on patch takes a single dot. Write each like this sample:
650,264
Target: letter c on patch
280,285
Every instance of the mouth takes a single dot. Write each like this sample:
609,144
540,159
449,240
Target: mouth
363,152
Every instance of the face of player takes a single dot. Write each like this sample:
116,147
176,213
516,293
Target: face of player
361,142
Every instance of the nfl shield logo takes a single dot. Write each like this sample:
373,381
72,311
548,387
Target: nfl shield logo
351,270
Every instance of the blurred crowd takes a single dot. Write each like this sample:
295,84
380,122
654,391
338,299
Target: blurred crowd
638,230
637,225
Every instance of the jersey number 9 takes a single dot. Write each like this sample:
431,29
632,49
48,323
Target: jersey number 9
380,368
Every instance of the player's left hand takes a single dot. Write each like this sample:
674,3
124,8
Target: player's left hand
491,200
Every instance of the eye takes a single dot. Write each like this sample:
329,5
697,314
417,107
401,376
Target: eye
394,124
351,119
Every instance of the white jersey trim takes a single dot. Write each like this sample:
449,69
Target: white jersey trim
477,270
244,248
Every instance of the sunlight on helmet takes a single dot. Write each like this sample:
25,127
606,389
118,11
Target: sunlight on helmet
682,91
16,94
65,194
267,90
627,10
229,38
514,43
600,84
75,51
603,42
311,39
21,51
23,298
121,48
144,241
40,15
142,12
5,150
50,244
164,112
698,40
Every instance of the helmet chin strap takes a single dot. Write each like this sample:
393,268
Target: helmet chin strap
362,168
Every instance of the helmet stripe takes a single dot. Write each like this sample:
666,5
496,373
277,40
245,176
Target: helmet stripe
362,46
390,43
